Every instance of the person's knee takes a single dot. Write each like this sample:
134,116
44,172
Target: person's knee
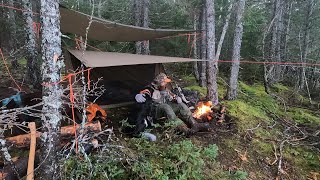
168,111
184,110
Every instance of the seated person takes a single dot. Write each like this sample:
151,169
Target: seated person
169,105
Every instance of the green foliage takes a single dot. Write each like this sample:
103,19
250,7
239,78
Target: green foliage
239,175
182,160
97,168
211,151
306,160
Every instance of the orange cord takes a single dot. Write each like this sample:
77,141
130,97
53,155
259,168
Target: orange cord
8,71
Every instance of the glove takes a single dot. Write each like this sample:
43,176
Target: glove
178,99
140,98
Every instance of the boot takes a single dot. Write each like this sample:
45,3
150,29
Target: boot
198,126
183,129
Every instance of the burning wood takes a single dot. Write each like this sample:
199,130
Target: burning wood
205,111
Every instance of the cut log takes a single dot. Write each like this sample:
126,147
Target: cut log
24,139
32,153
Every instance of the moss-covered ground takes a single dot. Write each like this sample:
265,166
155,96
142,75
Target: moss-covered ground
260,122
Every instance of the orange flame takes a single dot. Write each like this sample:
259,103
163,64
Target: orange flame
203,108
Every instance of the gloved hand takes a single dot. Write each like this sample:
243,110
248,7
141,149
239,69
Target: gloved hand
140,98
178,99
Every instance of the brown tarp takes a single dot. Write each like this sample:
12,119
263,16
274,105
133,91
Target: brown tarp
107,59
76,22
124,75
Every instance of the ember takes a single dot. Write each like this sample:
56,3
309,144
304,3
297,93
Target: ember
203,111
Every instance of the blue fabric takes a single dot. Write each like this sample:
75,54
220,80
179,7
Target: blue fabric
16,98
149,136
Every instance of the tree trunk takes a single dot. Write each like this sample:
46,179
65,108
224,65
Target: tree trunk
33,73
145,45
137,16
212,65
224,31
52,92
99,9
195,50
203,47
287,35
11,20
233,82
278,69
141,19
305,43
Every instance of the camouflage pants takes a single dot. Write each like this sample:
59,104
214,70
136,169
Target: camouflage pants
186,124
171,110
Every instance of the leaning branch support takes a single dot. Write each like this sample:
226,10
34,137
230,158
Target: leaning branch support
32,153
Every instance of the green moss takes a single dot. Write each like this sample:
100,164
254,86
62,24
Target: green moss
23,61
280,88
263,148
301,115
247,116
305,160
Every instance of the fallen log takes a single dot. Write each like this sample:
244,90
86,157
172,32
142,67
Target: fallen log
24,139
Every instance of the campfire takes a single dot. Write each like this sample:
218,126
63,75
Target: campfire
205,112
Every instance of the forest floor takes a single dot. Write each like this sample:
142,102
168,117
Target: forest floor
265,136
273,135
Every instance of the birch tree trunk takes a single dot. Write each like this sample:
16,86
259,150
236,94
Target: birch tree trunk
145,23
195,50
305,43
33,73
137,6
233,82
203,47
224,31
52,92
11,20
287,35
212,65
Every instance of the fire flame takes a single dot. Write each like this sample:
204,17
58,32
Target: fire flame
202,109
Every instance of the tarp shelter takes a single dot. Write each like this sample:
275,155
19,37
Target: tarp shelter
103,30
123,74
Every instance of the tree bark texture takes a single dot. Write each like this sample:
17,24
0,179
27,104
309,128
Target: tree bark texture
287,35
203,47
137,6
52,92
233,82
212,65
305,41
224,31
12,27
195,50
33,72
141,19
146,6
